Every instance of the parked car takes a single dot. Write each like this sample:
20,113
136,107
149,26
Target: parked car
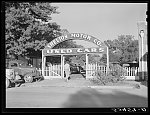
77,69
74,69
11,79
82,70
24,71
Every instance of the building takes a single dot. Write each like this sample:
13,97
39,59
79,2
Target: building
143,50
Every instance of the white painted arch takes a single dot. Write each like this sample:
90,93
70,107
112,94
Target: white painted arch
73,36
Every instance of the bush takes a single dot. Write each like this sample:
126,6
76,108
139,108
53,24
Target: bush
115,74
118,72
144,83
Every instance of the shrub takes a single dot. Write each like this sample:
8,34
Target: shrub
137,86
145,81
118,72
115,74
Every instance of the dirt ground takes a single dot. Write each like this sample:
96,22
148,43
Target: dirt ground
52,94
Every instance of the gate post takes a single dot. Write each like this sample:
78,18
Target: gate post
42,64
87,63
107,60
62,66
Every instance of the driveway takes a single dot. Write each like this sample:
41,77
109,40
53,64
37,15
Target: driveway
74,94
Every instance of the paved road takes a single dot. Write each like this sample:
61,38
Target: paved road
56,96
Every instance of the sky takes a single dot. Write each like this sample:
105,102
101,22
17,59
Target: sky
105,21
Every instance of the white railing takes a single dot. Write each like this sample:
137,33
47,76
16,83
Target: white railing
55,71
52,71
93,68
131,71
129,74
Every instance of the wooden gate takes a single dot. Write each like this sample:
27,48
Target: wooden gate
52,71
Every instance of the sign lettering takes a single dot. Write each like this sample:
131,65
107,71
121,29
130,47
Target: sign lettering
74,51
77,36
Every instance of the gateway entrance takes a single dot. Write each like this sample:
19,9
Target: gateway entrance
53,59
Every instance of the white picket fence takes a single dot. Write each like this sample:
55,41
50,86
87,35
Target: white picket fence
54,71
93,68
129,74
131,71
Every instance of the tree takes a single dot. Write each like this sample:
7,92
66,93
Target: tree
28,27
68,43
133,50
123,49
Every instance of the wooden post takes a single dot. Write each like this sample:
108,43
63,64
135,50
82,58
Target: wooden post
62,66
107,60
96,69
42,64
87,76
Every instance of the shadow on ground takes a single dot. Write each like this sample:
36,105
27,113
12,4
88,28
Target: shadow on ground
92,98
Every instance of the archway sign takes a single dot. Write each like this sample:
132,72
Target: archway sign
49,51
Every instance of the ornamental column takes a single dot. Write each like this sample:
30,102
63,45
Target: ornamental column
142,36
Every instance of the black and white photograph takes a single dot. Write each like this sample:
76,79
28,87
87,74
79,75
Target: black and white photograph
90,56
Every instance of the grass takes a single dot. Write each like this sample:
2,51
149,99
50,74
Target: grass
119,83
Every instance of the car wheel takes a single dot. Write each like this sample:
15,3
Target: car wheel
28,78
7,83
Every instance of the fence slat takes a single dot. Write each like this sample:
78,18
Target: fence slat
55,70
92,68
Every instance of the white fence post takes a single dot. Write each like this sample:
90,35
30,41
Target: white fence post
55,70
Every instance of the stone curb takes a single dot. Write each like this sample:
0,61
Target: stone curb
112,87
94,87
82,86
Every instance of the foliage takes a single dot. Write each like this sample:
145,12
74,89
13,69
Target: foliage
67,43
76,59
117,71
81,59
145,83
97,58
27,26
115,74
145,80
123,49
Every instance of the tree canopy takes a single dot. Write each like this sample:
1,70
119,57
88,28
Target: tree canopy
123,49
29,27
26,27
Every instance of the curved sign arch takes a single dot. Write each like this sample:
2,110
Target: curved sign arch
49,51
75,36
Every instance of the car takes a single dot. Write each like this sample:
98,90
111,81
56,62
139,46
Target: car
12,78
74,69
82,70
77,69
22,69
